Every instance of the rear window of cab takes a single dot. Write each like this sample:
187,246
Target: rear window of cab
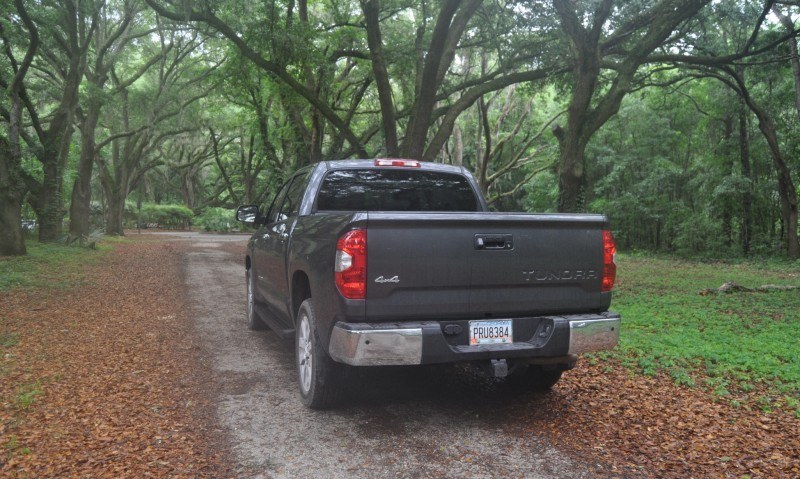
372,189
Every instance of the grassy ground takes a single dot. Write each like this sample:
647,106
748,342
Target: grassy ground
731,343
48,265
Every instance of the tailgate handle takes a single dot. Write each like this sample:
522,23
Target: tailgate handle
494,241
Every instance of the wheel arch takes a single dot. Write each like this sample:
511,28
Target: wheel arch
301,291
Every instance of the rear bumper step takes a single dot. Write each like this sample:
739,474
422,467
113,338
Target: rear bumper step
384,344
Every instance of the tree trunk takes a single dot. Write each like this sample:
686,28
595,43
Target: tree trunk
115,186
12,186
12,239
458,149
571,177
746,231
50,197
727,207
115,215
116,192
786,189
371,9
585,72
788,23
483,160
590,108
82,190
420,121
50,203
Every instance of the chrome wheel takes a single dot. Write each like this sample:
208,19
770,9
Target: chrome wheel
321,380
250,298
253,321
305,354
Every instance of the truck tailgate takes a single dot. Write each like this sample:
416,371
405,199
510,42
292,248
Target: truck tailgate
483,265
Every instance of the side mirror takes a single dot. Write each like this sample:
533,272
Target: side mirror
249,214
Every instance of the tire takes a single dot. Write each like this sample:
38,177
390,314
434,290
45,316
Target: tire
321,380
254,323
534,378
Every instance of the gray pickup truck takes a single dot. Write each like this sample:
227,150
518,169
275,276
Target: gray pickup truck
399,262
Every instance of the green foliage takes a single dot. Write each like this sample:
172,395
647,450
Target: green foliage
8,338
218,219
166,216
13,445
667,171
542,193
47,265
27,394
698,233
735,340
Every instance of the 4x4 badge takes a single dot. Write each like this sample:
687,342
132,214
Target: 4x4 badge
393,279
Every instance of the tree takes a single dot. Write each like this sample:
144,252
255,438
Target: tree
729,69
70,26
149,113
117,29
616,41
12,186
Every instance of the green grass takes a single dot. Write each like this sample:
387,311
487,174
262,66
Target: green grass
47,265
733,340
8,338
27,394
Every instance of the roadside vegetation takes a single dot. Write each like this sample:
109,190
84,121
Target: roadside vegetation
736,345
220,220
49,265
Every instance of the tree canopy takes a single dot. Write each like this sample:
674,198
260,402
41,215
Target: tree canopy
676,118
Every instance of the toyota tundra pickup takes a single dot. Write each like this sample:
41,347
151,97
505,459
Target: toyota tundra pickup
398,262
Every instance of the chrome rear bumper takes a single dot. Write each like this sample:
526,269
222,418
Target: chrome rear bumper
376,347
586,336
385,344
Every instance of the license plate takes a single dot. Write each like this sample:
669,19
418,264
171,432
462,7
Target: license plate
491,332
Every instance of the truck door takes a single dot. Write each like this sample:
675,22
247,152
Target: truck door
275,243
263,243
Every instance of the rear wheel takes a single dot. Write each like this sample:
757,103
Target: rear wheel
321,379
253,321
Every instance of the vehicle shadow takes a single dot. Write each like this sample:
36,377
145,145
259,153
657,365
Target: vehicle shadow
447,389
455,388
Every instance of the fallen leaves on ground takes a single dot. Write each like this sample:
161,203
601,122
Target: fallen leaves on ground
104,380
649,427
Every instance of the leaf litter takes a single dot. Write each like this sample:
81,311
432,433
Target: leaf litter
105,379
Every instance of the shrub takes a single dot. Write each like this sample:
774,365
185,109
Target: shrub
218,219
166,216
699,233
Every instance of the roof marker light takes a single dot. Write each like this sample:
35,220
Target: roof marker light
393,162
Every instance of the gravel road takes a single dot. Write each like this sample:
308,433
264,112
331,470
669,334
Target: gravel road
399,422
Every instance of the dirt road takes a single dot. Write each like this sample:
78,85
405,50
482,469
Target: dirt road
420,422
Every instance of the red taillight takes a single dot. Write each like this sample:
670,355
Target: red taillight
609,263
391,162
350,268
